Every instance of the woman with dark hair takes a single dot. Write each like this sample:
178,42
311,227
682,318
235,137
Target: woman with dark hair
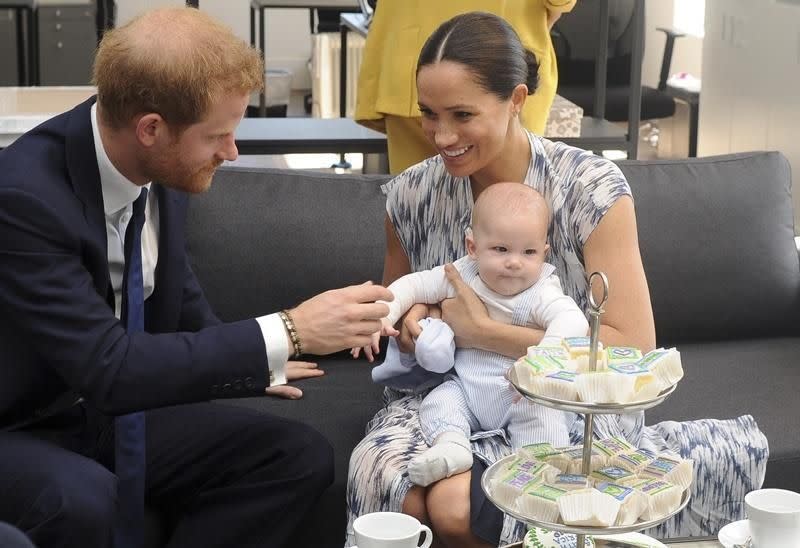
387,98
473,78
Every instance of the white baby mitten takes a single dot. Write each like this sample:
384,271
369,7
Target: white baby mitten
436,346
451,454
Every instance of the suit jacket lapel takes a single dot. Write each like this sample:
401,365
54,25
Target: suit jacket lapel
85,178
163,305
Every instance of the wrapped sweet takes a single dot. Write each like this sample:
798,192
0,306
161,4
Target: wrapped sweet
559,385
527,368
665,365
616,355
588,507
541,502
674,470
637,381
603,387
613,474
544,452
535,467
635,461
544,538
573,460
632,502
512,484
570,482
662,498
611,447
538,451
578,349
556,351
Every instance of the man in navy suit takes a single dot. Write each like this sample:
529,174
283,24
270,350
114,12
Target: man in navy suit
172,86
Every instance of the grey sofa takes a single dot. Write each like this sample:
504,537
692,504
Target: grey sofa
717,239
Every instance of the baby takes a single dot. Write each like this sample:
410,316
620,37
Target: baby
505,266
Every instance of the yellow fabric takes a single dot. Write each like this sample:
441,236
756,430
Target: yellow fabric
387,84
406,142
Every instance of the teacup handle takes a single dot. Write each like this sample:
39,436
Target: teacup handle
428,536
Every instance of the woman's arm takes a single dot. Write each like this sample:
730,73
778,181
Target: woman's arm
395,262
613,248
467,317
395,265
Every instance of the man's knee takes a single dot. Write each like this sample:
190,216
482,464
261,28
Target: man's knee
79,512
11,537
316,456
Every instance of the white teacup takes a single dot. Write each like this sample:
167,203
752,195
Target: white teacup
774,516
390,530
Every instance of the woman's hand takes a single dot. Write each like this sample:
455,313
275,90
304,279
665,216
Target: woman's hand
295,371
552,17
465,313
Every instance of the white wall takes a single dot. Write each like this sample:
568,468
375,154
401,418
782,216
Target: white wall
749,95
687,55
287,31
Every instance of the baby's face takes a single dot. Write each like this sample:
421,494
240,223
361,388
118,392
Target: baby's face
510,252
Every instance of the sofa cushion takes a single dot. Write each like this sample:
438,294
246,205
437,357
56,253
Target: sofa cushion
259,220
759,377
338,405
717,240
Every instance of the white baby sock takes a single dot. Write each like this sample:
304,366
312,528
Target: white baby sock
451,454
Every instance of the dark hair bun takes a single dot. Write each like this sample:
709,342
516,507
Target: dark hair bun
533,71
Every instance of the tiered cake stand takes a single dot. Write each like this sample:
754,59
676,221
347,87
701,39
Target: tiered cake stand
588,410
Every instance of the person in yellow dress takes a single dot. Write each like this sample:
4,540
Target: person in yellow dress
387,91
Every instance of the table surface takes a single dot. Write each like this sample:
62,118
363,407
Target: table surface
287,135
321,4
710,543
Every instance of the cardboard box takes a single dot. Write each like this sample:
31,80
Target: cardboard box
564,119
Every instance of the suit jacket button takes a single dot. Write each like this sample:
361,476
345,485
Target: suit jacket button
237,385
249,383
215,389
226,388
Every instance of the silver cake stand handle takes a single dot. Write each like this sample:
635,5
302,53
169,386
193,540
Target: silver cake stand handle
595,311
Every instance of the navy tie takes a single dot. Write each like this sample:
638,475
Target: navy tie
129,457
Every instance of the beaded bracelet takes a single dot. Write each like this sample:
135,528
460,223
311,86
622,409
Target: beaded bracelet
290,327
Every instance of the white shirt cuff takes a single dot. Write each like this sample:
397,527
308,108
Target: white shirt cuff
277,344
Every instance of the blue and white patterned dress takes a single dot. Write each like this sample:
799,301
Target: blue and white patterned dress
430,209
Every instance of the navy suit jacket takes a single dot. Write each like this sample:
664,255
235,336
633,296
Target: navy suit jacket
58,332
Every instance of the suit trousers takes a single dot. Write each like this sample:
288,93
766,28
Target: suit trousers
224,475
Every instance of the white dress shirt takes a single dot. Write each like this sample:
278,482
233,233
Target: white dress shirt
118,196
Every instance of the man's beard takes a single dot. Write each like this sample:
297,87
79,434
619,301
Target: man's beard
171,172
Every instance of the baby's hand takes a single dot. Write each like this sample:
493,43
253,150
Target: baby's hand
388,329
373,349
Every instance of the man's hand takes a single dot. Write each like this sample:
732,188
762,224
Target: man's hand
464,313
341,318
295,371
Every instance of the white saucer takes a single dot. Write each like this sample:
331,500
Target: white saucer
734,533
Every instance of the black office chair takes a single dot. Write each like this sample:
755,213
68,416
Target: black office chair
575,37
